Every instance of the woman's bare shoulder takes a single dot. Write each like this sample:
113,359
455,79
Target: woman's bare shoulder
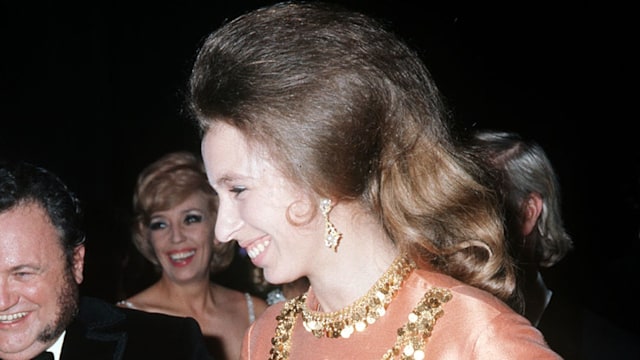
145,300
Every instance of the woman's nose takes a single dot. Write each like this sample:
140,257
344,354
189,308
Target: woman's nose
228,223
177,234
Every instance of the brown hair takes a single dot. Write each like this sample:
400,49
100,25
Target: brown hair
348,111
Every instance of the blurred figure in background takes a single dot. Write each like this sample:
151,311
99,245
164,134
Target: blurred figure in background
175,212
531,194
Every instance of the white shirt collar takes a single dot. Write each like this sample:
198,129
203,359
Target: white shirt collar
56,348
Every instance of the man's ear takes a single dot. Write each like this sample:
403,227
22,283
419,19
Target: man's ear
532,208
78,263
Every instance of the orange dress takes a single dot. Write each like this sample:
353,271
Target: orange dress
474,325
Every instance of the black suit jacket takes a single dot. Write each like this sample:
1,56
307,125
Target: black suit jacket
103,331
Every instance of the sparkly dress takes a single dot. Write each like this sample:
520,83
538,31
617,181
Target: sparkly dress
471,324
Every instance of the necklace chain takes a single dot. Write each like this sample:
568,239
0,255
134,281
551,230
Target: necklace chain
365,311
411,337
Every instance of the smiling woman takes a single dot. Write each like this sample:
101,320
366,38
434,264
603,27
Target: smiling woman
328,143
175,212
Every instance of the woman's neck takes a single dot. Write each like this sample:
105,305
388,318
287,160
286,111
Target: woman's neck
340,277
191,297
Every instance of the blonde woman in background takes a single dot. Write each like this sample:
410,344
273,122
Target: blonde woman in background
175,212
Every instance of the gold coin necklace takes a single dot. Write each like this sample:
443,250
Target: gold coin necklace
365,311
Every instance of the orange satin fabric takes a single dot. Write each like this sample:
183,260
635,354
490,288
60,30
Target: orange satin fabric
475,325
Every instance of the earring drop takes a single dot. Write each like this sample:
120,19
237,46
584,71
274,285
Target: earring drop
332,237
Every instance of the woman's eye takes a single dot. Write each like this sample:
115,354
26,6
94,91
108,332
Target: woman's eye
190,219
156,225
238,189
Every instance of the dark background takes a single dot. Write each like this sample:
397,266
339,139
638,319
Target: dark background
93,91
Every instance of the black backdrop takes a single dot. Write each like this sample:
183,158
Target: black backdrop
93,91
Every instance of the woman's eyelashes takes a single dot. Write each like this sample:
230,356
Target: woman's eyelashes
157,225
188,219
192,218
238,189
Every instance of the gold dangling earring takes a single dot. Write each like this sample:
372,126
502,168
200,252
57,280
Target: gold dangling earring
332,239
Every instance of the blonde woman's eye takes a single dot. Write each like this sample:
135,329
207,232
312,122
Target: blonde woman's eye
190,219
157,225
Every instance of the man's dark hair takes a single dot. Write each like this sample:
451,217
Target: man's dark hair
22,182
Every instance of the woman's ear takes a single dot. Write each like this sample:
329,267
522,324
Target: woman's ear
302,210
532,209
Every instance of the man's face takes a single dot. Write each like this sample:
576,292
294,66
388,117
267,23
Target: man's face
38,294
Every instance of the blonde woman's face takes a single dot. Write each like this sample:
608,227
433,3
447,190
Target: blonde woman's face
182,238
257,203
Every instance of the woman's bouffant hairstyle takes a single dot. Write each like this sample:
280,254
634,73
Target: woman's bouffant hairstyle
351,113
164,184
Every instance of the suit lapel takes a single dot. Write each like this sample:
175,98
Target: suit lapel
95,334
